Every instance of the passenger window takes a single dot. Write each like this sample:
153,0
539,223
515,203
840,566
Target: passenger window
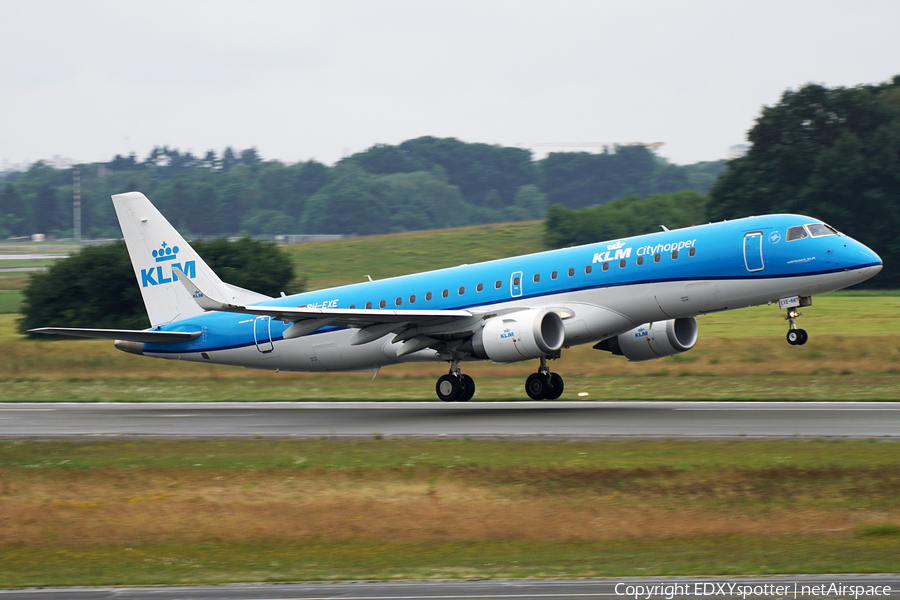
368,306
692,252
479,287
553,275
656,257
571,272
796,233
398,301
622,263
352,306
537,277
497,284
640,260
674,254
412,299
445,293
462,290
382,304
587,270
427,296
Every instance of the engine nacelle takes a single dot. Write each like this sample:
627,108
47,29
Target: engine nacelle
519,336
654,340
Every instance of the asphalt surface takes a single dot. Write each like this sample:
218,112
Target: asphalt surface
716,587
570,420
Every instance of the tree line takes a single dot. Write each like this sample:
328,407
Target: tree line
623,217
419,184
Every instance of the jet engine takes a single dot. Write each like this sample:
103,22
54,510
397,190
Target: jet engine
519,336
654,340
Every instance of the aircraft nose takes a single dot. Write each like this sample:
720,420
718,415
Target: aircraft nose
866,255
867,261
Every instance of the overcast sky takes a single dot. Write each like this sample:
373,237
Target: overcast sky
320,80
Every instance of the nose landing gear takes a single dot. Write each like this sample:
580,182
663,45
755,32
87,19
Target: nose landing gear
795,336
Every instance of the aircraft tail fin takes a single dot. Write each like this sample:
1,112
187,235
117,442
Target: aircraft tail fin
155,247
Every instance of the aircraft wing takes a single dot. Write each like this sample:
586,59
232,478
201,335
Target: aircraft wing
344,317
349,317
127,335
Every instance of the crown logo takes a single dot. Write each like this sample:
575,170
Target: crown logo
165,252
615,246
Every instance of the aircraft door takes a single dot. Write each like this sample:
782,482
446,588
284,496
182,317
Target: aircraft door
753,258
515,284
262,334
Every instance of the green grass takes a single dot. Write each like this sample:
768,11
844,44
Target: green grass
360,455
27,262
39,248
508,559
833,507
10,301
11,287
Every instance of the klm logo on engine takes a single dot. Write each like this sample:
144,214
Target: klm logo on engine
613,252
162,273
507,333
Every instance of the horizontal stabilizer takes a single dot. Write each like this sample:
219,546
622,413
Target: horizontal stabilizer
205,302
126,335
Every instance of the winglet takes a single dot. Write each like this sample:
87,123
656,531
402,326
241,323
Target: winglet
205,302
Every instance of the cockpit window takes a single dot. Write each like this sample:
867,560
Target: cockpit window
820,229
796,233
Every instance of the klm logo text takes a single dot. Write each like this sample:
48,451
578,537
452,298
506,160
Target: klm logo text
156,275
611,256
166,255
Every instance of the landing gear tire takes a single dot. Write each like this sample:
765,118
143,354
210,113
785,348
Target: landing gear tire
544,387
797,337
537,385
449,388
468,388
556,387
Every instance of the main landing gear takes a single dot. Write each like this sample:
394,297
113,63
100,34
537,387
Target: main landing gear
455,386
458,387
795,336
544,385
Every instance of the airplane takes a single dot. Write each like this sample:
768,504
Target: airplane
637,297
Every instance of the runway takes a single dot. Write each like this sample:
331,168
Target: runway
787,586
569,420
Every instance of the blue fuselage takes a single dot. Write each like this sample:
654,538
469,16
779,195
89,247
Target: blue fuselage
671,274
